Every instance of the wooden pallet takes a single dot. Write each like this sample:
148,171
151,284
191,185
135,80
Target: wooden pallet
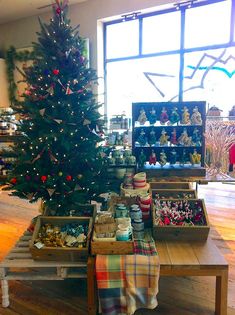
19,265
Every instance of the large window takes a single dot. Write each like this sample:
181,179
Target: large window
185,53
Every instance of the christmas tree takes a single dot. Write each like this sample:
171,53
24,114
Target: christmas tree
58,158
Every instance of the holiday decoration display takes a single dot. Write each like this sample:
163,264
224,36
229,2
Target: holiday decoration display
164,137
164,116
152,138
178,134
174,116
185,116
180,219
152,158
196,117
152,116
62,126
142,117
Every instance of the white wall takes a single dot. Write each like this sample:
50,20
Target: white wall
22,33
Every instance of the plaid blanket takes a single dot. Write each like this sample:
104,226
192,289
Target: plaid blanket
128,282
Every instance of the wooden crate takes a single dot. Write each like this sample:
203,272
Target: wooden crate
174,232
111,247
170,185
60,253
108,247
81,210
175,193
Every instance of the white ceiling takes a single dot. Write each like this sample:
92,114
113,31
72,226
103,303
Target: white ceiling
11,10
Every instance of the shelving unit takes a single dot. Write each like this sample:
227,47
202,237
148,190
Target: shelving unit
183,158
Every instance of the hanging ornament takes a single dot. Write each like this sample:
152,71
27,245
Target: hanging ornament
75,81
56,71
58,11
59,121
67,53
30,196
46,72
13,181
42,111
86,122
52,157
27,92
27,177
38,156
77,187
43,178
68,178
50,90
68,91
79,176
60,174
50,192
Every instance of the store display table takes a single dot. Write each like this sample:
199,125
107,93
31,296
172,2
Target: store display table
181,258
177,258
19,265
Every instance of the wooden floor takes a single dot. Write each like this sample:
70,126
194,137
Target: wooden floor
177,296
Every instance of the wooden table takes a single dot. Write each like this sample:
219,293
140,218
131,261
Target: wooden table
181,258
19,265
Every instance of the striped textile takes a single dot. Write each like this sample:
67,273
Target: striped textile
127,282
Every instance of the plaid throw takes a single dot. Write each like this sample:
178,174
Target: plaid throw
128,282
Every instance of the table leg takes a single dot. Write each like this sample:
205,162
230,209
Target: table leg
221,294
91,287
5,295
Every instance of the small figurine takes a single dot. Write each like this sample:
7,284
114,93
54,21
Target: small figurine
152,116
142,139
164,116
195,158
185,116
131,160
164,138
152,137
173,157
142,117
119,140
142,159
174,117
183,157
196,138
184,139
196,117
153,158
163,158
173,139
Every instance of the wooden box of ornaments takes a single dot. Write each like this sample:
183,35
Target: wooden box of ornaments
179,219
168,138
61,238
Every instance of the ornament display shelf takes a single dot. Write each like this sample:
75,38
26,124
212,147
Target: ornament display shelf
181,166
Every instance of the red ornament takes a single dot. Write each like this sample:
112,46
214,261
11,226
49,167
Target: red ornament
68,178
13,181
43,178
56,71
58,11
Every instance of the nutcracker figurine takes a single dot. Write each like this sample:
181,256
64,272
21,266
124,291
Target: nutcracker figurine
152,116
164,116
153,158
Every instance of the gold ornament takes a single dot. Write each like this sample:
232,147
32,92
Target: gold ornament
60,174
79,176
